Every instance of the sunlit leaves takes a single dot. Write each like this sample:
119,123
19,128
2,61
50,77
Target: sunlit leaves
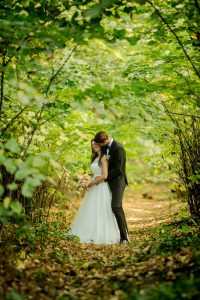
133,40
97,9
16,207
27,95
10,165
6,202
30,184
23,171
12,145
12,186
9,208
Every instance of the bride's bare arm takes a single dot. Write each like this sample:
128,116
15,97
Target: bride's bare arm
98,179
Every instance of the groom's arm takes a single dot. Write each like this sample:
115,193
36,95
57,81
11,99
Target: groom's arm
118,163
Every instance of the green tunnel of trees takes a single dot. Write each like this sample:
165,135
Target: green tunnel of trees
70,68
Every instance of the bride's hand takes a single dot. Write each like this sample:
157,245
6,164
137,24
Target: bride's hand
90,183
94,181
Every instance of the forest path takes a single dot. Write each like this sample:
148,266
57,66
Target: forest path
149,205
112,271
65,269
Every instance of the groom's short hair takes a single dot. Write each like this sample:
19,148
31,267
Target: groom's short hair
100,137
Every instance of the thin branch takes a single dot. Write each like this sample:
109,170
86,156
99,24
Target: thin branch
12,121
185,115
43,106
52,197
176,36
192,92
177,124
59,69
33,132
4,65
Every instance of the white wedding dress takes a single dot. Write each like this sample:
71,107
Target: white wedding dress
95,222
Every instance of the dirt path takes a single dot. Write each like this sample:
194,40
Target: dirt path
68,270
149,205
110,272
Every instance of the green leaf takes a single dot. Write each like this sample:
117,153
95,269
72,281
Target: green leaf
14,295
37,161
4,214
12,146
10,165
133,40
6,202
93,11
185,228
2,158
12,186
119,33
29,186
24,170
16,207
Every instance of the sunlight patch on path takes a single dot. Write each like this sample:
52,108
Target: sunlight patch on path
142,212
134,219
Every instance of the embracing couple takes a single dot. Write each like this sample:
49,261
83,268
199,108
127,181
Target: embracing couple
100,218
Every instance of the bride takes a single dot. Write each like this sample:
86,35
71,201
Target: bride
95,222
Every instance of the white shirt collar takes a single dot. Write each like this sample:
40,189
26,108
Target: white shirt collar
110,143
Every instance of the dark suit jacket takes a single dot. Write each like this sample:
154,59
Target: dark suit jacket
117,166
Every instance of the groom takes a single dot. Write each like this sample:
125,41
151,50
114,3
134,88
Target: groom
117,179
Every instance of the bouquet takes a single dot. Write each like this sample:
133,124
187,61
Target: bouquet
84,181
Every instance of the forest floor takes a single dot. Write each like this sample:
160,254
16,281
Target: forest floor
161,262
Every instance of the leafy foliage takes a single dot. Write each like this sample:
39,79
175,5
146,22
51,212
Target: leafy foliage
69,69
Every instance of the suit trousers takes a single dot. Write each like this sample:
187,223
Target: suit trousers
117,195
